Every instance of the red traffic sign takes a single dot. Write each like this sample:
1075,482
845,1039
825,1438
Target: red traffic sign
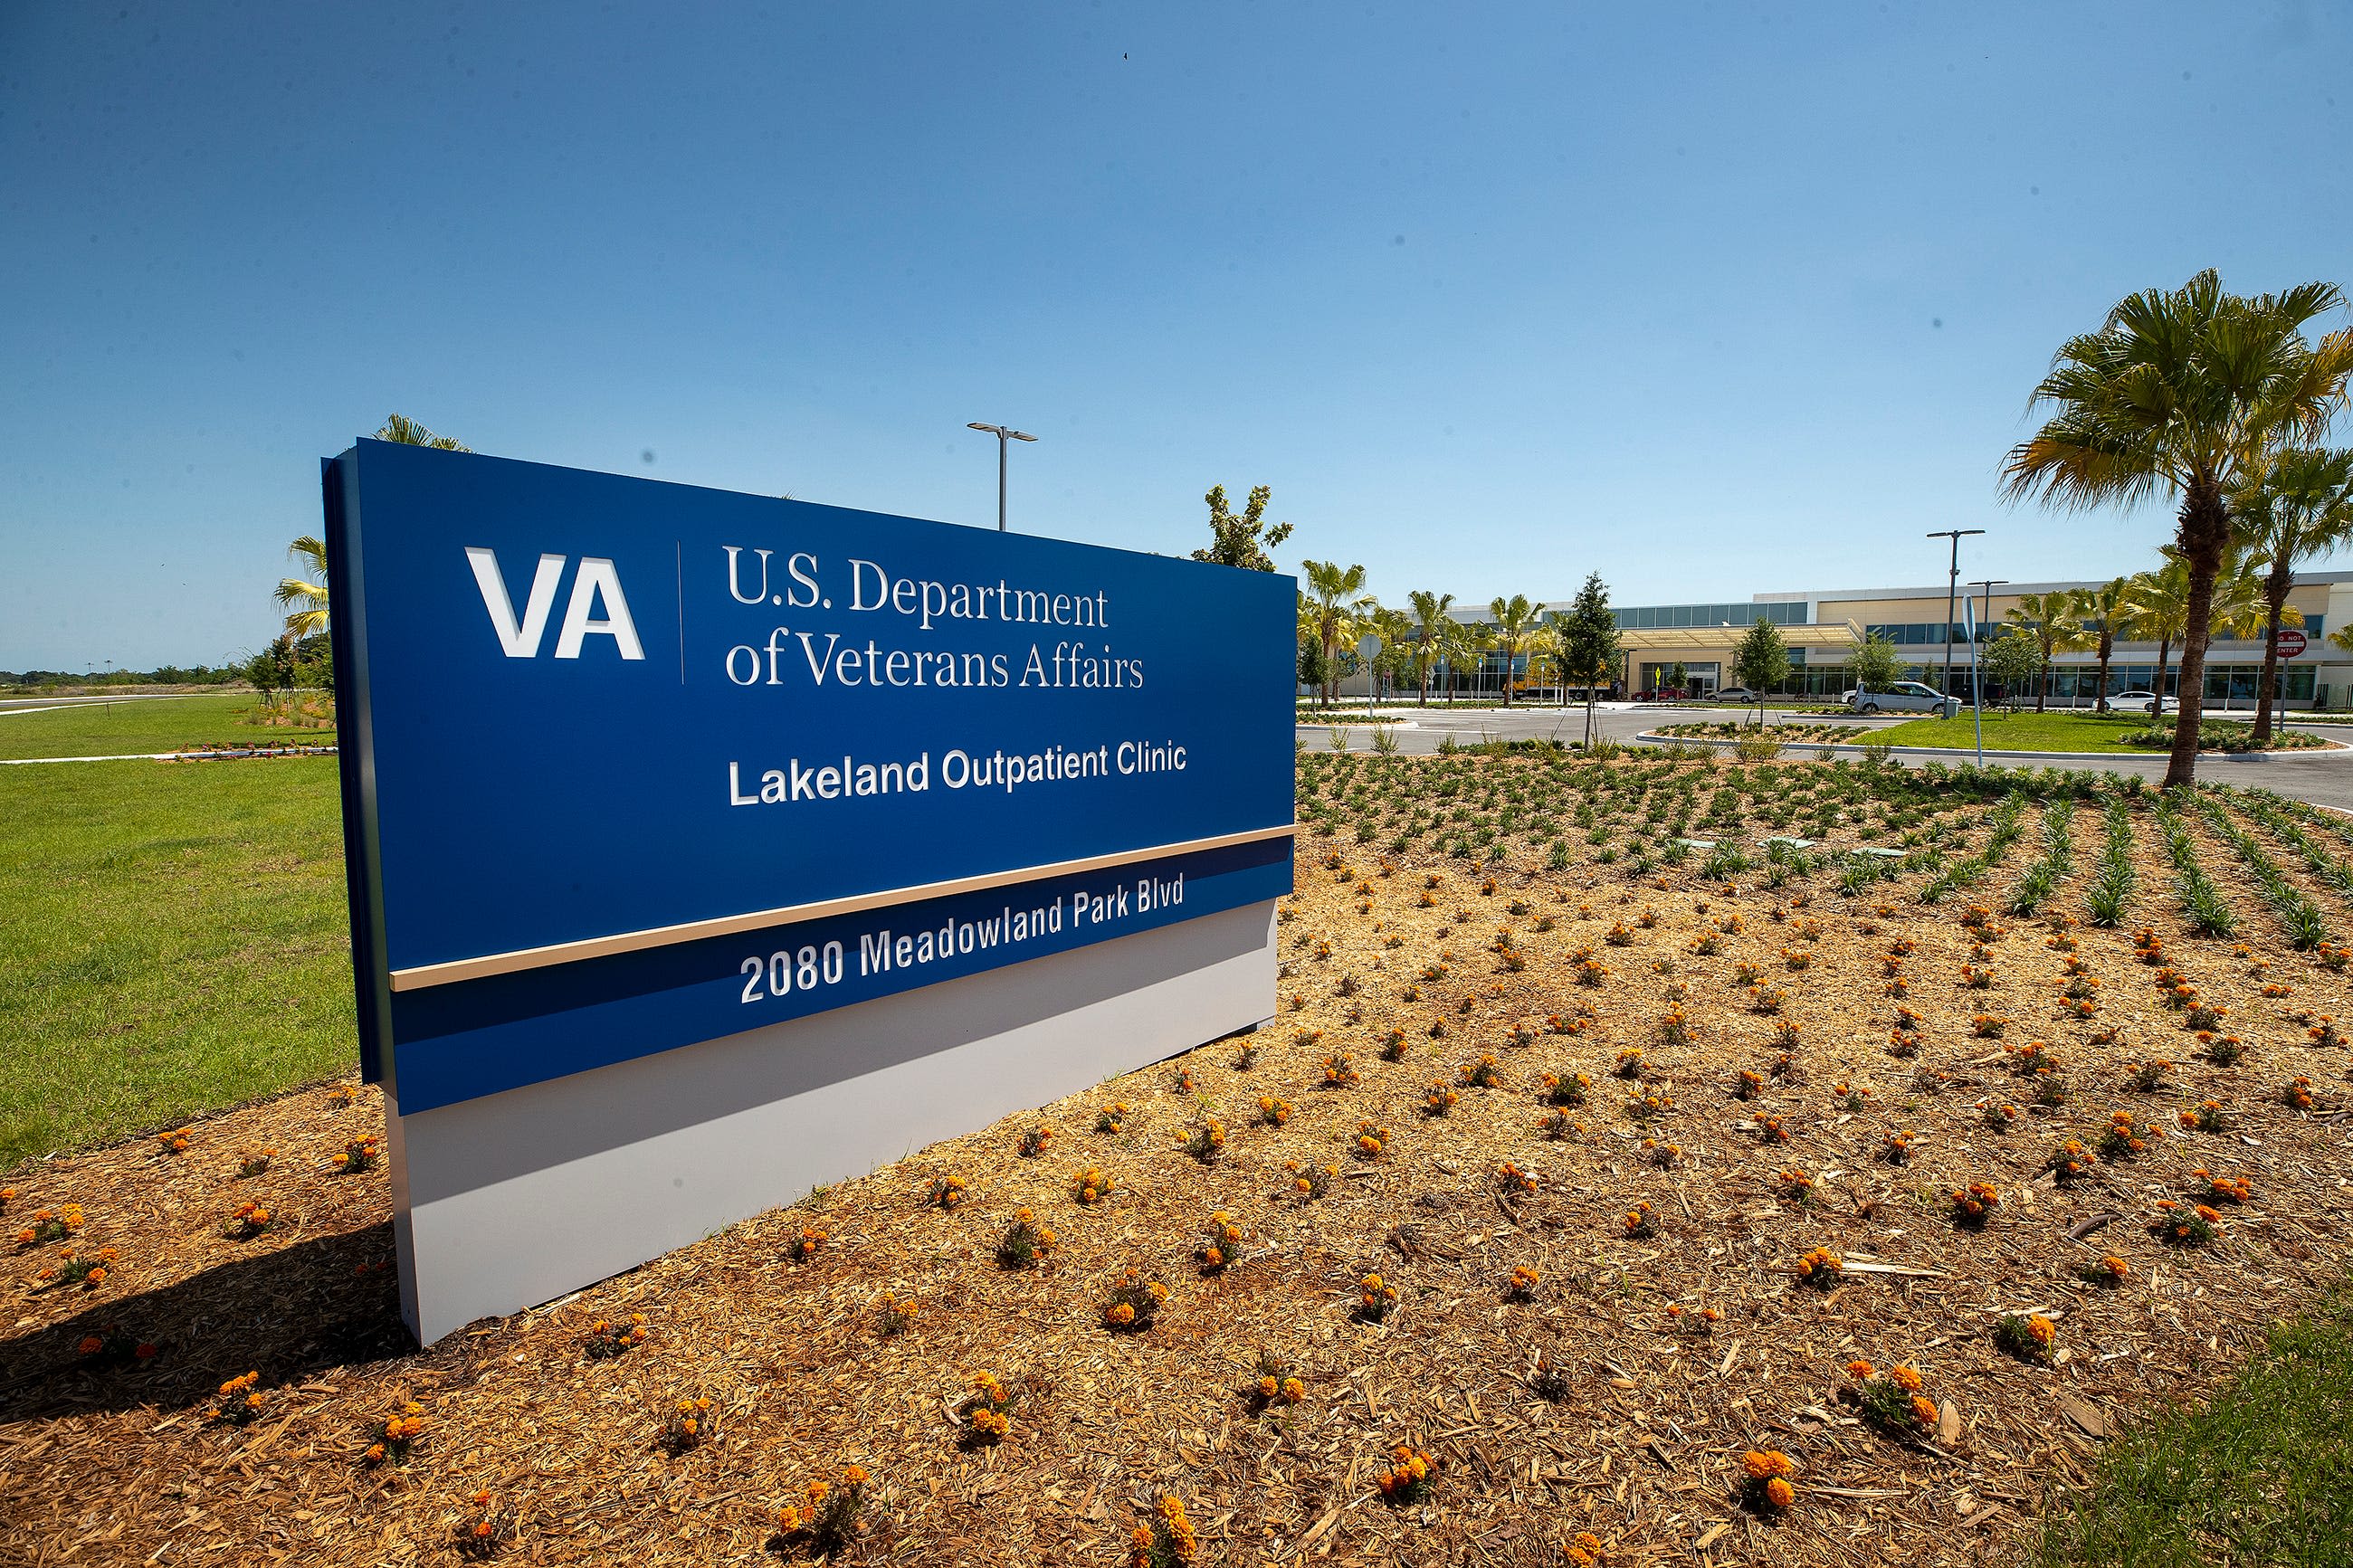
2291,642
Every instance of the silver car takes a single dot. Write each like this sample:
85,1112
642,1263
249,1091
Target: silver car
1904,697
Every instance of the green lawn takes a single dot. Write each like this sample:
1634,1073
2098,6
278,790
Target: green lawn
2263,1474
171,940
2024,732
154,724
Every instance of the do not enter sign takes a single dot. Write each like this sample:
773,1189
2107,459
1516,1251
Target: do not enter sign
2291,642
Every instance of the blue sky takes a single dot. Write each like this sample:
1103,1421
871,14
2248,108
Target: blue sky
1711,300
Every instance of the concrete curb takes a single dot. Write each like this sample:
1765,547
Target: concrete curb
2335,748
179,756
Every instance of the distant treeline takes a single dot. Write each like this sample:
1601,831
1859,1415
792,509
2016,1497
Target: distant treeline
164,674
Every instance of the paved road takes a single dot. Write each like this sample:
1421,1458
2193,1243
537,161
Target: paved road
2324,778
43,704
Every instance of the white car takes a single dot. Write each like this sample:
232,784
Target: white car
2120,700
1904,697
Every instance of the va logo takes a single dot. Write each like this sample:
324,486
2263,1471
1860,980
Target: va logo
593,584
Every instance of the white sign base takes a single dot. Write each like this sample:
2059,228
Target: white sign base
516,1198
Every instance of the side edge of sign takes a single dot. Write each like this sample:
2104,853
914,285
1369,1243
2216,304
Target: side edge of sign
355,757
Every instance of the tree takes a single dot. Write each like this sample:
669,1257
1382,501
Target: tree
1335,598
1678,678
1588,642
2050,620
1430,624
1311,669
1514,619
1236,540
2157,610
2301,508
408,432
2107,609
305,598
2186,393
1466,649
2158,607
1761,661
1874,665
2013,660
1395,629
272,669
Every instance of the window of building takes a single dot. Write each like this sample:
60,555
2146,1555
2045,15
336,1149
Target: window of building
1651,617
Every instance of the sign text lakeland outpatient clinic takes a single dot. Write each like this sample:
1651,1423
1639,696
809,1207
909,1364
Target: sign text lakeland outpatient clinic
849,778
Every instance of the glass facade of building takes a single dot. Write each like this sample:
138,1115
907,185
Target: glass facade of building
1651,617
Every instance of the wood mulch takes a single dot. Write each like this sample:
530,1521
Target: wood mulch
1642,1448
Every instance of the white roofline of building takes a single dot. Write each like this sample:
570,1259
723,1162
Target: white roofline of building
2303,580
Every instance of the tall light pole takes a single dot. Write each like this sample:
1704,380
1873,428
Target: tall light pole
1976,687
1003,435
1952,582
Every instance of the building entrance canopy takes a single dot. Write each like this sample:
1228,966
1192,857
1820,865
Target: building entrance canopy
1672,639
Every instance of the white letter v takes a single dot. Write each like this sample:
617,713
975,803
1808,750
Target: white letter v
519,641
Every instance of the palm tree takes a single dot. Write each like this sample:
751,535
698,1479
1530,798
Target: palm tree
1395,628
2158,609
2050,620
2183,392
2104,608
1335,598
1466,647
305,598
2301,508
1543,648
1515,620
408,432
1431,621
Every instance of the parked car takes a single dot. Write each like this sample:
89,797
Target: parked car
2144,700
1739,694
1904,697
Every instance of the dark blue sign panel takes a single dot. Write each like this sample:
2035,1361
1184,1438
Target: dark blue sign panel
629,765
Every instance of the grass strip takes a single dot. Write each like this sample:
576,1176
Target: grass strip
2261,1473
174,941
143,726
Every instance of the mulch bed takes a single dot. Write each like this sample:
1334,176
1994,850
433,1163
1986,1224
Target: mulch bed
1654,1409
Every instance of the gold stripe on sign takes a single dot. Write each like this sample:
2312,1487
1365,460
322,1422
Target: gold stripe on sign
429,975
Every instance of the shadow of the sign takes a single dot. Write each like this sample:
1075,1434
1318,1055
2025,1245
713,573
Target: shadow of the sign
290,1314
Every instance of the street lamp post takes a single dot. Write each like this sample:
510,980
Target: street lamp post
1003,435
1952,582
1977,688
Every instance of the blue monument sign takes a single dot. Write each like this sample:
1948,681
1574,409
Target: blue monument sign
631,769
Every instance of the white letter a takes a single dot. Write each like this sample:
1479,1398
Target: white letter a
519,641
597,578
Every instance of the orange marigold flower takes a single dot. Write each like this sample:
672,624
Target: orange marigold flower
1907,1377
1779,1493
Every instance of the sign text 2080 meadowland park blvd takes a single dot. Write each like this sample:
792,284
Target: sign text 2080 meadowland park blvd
685,827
